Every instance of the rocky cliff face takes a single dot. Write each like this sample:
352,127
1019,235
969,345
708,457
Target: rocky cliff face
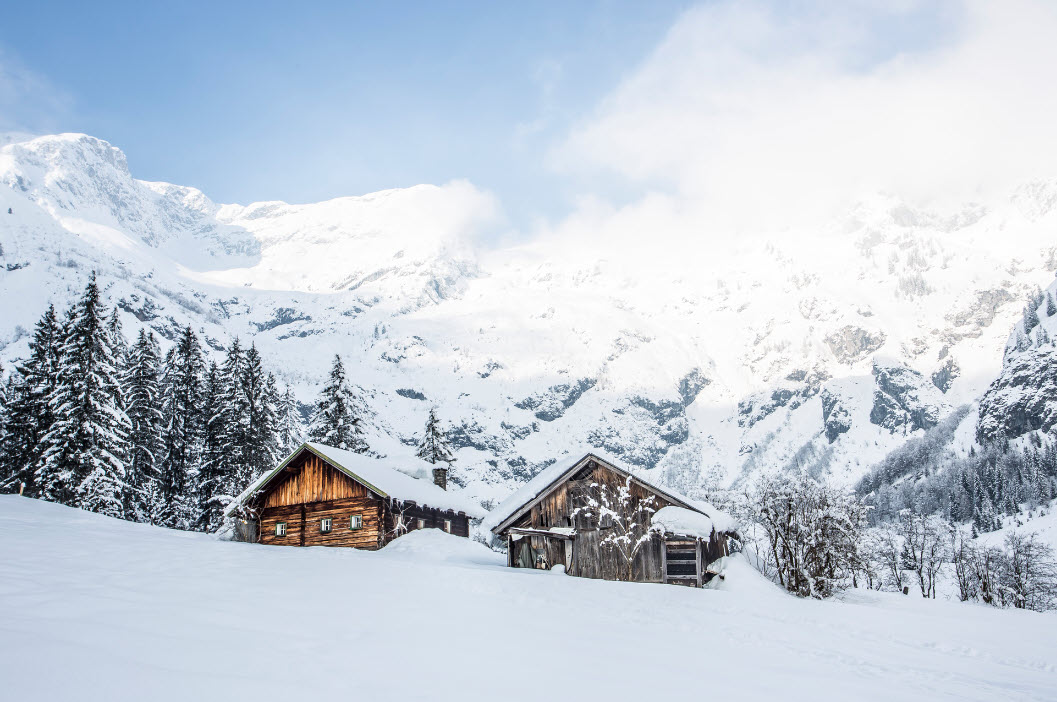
701,365
1024,396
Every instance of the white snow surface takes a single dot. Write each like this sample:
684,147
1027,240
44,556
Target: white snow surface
402,476
100,609
682,522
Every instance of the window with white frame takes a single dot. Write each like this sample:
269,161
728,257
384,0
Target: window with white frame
325,525
447,525
421,523
356,521
280,528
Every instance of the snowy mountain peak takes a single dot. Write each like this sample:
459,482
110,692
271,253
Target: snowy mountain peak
701,360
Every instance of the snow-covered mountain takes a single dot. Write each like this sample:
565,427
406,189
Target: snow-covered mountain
700,360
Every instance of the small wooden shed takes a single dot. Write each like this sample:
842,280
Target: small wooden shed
324,496
585,514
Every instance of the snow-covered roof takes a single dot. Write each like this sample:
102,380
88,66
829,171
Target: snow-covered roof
554,474
682,522
387,477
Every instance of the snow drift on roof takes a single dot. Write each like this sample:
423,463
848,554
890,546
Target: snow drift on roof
385,475
682,522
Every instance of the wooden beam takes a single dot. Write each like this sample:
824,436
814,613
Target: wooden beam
664,561
698,569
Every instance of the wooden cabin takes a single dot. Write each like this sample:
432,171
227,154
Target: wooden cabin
323,496
555,520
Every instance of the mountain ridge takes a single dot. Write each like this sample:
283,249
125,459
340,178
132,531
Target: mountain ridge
699,362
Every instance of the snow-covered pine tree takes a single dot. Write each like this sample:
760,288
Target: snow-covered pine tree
272,400
86,450
335,422
435,446
1031,313
181,432
235,415
257,452
214,479
30,415
1051,308
143,407
290,433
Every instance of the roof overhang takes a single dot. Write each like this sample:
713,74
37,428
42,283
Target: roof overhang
520,511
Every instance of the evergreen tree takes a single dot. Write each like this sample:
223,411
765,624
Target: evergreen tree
290,433
335,422
181,432
1051,308
143,407
214,479
257,452
1031,315
235,411
435,446
30,415
85,452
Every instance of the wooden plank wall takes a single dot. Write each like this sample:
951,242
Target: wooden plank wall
432,518
589,560
312,480
305,519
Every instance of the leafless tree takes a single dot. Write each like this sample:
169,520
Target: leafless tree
812,533
926,539
623,516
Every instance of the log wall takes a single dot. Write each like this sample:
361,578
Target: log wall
431,518
303,524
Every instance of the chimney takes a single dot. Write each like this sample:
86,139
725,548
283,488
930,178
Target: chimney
440,478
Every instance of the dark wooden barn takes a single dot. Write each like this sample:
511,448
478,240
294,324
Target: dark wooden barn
323,496
599,521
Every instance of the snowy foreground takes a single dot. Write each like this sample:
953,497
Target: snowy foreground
98,609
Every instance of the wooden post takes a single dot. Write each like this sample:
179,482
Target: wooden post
700,574
664,561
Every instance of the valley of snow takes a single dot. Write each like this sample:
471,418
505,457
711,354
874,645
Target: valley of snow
102,609
696,359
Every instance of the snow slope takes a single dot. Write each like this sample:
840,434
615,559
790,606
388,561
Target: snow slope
98,609
701,360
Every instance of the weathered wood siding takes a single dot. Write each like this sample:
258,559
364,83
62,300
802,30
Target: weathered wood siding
589,559
310,479
303,523
431,519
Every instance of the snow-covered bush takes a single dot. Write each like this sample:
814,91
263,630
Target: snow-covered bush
808,534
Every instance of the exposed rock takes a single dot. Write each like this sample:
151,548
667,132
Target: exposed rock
904,401
946,374
798,387
850,344
1023,398
282,316
836,419
553,403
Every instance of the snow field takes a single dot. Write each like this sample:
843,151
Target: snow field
96,608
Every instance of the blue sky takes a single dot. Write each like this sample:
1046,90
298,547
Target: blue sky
608,117
306,101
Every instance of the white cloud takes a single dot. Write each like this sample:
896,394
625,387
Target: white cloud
746,117
28,101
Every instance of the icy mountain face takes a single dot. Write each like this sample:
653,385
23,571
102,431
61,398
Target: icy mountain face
702,360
